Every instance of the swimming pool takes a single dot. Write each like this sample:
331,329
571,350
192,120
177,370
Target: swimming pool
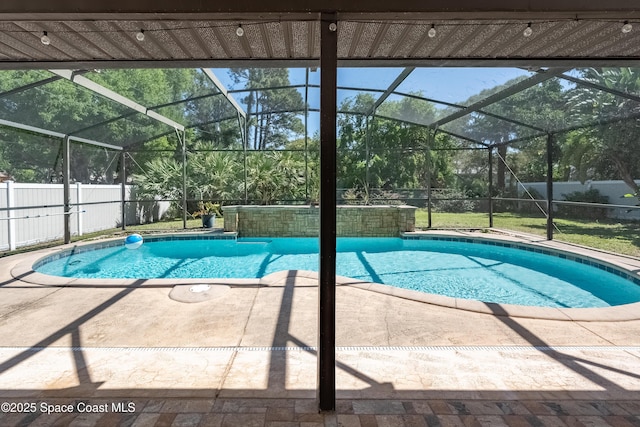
459,268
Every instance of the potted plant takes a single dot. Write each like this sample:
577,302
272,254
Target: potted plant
208,211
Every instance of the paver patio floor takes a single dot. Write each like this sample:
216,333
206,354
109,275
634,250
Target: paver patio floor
248,357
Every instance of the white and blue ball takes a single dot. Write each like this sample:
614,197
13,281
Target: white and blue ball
133,241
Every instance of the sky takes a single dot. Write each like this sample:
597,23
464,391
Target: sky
453,85
449,84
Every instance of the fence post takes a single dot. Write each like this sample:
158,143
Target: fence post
79,207
123,190
11,225
549,187
429,188
184,178
66,172
490,187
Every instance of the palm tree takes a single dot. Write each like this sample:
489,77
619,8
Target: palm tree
273,176
615,133
162,177
215,175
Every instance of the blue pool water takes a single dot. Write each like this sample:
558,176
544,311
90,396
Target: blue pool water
456,269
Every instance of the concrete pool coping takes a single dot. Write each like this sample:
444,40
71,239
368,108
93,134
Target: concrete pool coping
24,272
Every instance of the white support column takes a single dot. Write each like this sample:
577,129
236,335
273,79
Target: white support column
79,208
11,225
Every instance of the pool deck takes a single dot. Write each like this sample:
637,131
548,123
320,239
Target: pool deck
245,355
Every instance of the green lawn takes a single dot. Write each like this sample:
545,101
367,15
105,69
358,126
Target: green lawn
162,226
173,225
614,236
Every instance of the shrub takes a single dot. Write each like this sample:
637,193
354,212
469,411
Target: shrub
584,212
531,207
352,196
364,196
454,201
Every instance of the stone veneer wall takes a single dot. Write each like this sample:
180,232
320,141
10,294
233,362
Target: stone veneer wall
303,221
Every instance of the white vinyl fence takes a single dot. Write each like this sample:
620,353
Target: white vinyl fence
38,212
614,190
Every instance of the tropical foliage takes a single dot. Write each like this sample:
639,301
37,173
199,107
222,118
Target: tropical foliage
611,147
385,153
269,160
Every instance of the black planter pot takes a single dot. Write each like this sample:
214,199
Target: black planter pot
208,221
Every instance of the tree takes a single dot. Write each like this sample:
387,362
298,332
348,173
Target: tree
309,182
540,106
68,108
381,152
351,141
153,88
58,106
273,111
30,158
211,176
580,158
215,175
274,175
616,142
212,118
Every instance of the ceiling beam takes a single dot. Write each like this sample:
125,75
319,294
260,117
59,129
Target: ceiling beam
46,132
109,94
32,129
29,86
486,113
462,137
199,9
600,88
526,63
393,86
33,85
214,79
95,143
499,96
